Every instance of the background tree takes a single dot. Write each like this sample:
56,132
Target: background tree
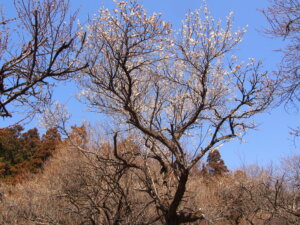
215,165
49,140
171,89
37,47
24,153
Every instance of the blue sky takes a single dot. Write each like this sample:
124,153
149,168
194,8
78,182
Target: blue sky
271,141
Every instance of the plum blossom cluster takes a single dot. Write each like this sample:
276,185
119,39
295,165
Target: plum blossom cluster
143,71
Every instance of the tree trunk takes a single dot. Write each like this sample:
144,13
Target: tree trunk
172,217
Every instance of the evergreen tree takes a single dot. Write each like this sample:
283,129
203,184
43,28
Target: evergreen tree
215,165
25,152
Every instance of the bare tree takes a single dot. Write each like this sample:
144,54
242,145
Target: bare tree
37,47
174,91
284,19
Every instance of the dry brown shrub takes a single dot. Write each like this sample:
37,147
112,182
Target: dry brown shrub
93,187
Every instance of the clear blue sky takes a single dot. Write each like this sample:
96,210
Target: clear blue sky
271,140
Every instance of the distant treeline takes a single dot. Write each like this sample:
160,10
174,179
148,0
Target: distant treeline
25,152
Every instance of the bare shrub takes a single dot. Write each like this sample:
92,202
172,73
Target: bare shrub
92,184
